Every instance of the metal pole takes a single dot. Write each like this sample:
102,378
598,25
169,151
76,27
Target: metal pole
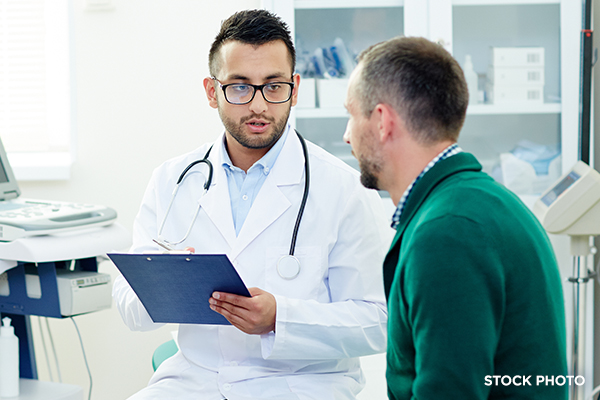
579,280
585,76
580,249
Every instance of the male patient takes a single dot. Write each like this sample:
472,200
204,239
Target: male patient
471,280
300,334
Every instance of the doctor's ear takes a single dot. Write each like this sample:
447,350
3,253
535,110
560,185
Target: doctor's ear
296,80
211,92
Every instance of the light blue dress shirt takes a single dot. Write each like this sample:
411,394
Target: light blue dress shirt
244,186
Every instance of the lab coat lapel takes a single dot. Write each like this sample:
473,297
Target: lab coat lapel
216,202
270,202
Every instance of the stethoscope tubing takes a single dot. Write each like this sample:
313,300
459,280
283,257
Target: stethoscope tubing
206,161
304,195
208,182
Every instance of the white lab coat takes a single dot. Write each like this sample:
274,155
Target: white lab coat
331,313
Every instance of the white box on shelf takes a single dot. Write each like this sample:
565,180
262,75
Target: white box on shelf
307,93
517,56
332,92
507,76
522,94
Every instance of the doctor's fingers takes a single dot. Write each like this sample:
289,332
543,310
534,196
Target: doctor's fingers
220,298
256,314
236,320
250,308
245,320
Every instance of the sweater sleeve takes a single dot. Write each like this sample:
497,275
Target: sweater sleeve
453,302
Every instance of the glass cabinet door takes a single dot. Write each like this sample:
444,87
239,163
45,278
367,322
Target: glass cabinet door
328,35
522,123
521,66
327,31
513,127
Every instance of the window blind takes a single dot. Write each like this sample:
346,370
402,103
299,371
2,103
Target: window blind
35,110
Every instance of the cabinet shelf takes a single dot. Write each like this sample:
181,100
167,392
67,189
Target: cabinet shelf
496,109
316,4
477,109
338,112
501,2
305,4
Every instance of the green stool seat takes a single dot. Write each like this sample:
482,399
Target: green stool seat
162,352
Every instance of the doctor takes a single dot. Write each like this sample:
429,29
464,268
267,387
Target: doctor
300,335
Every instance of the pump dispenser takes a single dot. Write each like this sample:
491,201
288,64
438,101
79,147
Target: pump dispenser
9,360
471,78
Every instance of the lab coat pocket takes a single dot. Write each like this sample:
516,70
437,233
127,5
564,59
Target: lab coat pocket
300,281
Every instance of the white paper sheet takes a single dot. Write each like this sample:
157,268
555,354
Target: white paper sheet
5,265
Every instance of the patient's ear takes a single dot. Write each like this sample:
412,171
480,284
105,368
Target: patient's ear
385,120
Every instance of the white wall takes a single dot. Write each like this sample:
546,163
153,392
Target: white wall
139,101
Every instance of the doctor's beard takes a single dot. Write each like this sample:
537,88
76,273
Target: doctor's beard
255,141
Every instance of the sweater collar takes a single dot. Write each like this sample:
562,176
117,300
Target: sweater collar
438,173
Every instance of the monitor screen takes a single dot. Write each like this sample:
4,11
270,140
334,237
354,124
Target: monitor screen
3,176
9,188
560,188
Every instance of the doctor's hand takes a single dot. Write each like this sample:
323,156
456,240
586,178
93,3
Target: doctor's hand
253,315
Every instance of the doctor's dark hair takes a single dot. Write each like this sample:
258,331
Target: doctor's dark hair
254,27
420,80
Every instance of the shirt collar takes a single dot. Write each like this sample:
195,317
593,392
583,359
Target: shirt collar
447,152
266,162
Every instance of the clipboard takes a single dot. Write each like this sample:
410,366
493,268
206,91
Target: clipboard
175,288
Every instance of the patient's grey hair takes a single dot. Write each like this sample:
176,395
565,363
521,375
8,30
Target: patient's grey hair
420,80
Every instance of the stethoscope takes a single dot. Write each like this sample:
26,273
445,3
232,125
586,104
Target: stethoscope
288,266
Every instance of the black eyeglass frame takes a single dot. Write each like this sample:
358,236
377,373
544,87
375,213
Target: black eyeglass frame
255,88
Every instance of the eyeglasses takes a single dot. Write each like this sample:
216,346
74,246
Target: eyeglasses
243,93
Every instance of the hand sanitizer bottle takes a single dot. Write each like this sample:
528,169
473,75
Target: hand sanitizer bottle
472,79
9,360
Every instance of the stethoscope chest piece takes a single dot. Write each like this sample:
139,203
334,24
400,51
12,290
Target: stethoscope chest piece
288,267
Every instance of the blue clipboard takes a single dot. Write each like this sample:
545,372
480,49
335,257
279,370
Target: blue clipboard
175,288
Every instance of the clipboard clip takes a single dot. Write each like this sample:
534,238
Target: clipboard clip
169,249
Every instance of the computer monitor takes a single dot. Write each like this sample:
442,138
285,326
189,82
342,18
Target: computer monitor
9,189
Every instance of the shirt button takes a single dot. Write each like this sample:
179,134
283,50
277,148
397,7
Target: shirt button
244,197
267,170
227,387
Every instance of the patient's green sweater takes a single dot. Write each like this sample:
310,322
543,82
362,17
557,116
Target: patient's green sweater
473,292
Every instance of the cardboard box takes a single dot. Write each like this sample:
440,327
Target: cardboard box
523,94
307,93
517,57
332,92
507,76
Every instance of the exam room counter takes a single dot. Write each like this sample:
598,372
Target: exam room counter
32,389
